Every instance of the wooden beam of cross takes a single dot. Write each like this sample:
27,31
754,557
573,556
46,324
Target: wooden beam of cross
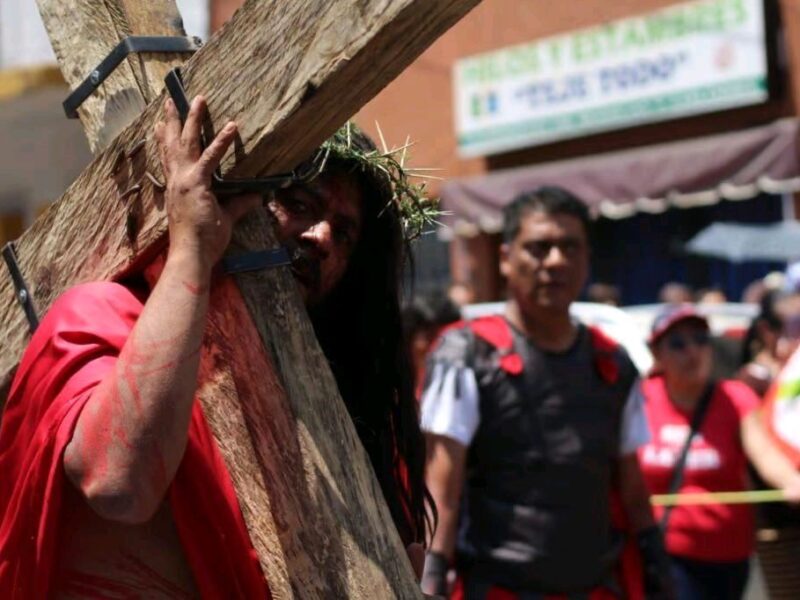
289,74
83,32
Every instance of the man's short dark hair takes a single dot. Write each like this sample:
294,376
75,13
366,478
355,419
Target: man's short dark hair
549,200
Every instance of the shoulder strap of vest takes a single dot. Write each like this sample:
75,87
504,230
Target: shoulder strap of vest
607,359
494,330
602,342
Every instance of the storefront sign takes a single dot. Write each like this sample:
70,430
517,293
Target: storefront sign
689,59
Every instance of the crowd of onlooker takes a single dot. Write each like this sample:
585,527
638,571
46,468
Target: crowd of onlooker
708,393
674,292
754,356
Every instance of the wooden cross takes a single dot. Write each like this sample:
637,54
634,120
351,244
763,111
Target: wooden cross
289,73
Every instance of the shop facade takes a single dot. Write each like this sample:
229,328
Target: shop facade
663,116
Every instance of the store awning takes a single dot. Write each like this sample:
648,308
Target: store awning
732,166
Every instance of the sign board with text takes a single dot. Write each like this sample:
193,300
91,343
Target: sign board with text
688,59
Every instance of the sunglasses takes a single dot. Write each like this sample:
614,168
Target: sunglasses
678,343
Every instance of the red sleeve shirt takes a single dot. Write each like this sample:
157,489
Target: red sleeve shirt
76,344
716,463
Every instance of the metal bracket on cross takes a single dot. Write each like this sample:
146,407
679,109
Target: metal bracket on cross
133,43
256,261
23,294
233,187
251,261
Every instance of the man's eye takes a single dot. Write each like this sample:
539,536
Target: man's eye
344,237
540,249
569,248
296,205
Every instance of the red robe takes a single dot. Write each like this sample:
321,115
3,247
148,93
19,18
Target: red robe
76,344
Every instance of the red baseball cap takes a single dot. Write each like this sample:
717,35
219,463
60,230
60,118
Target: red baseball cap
671,316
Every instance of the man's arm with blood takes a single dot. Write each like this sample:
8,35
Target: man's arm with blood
132,432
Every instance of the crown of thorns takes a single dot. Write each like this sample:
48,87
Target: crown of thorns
417,211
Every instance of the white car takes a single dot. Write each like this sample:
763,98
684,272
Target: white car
630,325
613,321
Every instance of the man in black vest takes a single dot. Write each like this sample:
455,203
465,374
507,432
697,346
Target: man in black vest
533,423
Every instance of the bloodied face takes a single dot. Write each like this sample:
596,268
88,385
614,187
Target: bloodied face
320,222
547,262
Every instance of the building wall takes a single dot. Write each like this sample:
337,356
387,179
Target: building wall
419,102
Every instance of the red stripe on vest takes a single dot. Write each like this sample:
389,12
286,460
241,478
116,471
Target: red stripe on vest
496,331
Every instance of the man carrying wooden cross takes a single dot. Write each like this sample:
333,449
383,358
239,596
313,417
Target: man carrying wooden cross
111,484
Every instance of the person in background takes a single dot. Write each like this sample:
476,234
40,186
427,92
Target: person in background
770,340
675,293
791,277
709,545
461,293
533,422
787,306
775,280
711,296
754,292
603,293
423,320
771,282
778,535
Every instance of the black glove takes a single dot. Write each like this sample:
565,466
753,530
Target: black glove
434,575
658,583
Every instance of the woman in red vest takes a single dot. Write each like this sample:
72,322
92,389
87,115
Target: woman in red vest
709,545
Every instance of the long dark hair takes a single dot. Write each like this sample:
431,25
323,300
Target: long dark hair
359,327
768,317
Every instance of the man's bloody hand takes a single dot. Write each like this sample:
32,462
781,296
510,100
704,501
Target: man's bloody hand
198,224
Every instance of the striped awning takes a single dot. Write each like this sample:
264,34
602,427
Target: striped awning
731,166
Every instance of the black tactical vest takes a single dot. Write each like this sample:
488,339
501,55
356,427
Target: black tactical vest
535,513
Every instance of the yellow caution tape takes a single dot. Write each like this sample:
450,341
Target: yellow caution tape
747,497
